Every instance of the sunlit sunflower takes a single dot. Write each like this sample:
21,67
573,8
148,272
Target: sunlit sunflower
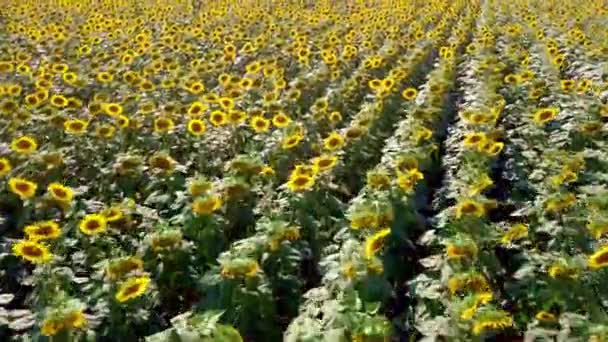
120,267
474,139
112,109
333,141
206,205
197,127
105,131
544,115
409,94
599,259
300,182
324,162
32,251
5,167
280,120
374,243
163,125
22,187
259,124
59,101
93,224
24,145
44,230
75,126
469,208
218,118
132,288
60,193
196,109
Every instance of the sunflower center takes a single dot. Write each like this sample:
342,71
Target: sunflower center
602,258
60,193
77,126
196,127
469,208
131,290
23,187
545,115
32,251
325,162
301,181
93,225
24,144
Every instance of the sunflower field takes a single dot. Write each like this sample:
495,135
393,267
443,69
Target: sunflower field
301,171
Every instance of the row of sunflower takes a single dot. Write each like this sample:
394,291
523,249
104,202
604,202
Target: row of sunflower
455,295
358,275
559,250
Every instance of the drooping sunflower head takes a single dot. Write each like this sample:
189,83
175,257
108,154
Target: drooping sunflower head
132,288
469,207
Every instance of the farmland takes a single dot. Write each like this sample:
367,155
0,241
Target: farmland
303,170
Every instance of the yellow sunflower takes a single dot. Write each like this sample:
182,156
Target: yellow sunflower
32,251
45,230
259,124
59,192
132,288
544,115
93,224
333,141
300,182
5,167
22,187
374,243
206,205
599,259
24,145
409,94
197,127
75,126
470,208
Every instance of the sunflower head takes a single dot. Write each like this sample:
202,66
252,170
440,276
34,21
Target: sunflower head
132,288
24,145
22,187
93,224
32,251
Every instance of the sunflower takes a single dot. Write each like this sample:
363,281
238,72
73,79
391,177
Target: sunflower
163,125
162,162
516,232
599,259
59,101
24,145
567,85
545,316
60,193
22,187
105,131
259,124
237,116
75,126
496,320
132,288
324,162
544,115
218,118
374,243
197,127
267,171
5,167
122,121
120,267
409,94
32,251
333,141
226,103
300,182
206,205
474,139
469,208
196,109
494,148
113,214
335,117
93,224
280,120
112,109
44,230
